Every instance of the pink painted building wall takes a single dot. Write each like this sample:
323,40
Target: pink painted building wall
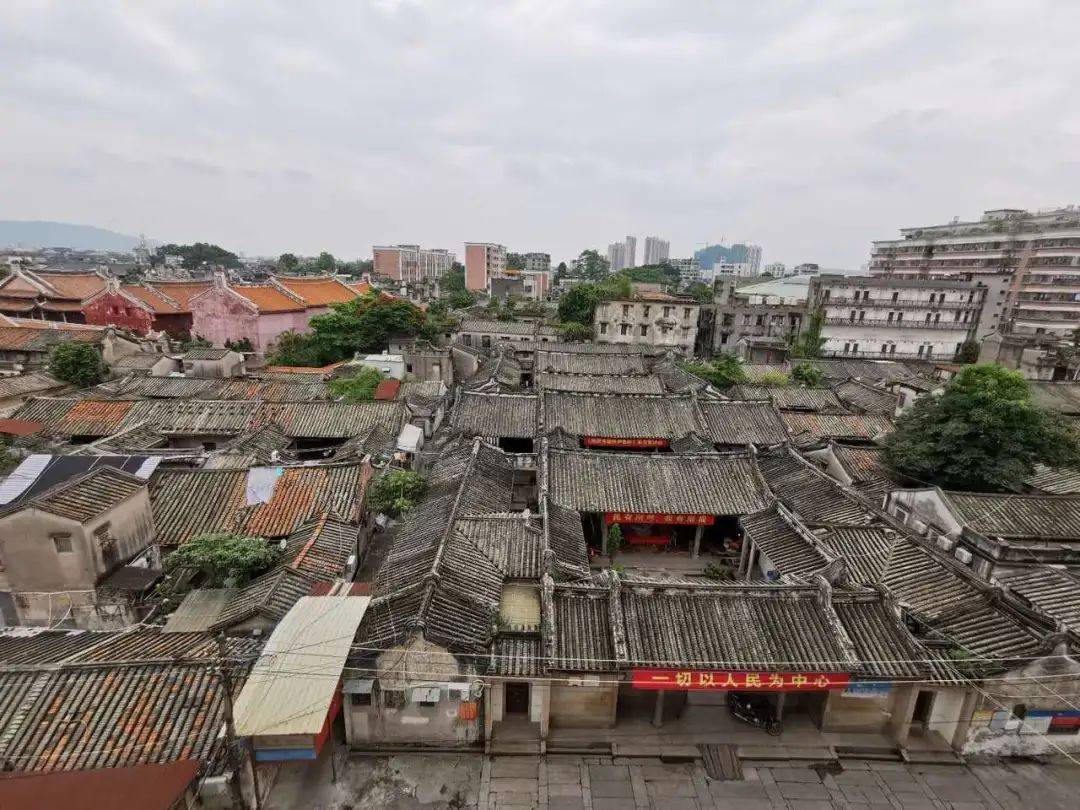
476,273
220,315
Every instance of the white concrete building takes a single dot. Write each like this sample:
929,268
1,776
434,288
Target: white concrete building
895,318
656,250
411,263
1040,251
775,269
537,262
648,319
753,258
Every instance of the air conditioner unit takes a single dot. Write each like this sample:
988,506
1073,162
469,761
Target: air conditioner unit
963,555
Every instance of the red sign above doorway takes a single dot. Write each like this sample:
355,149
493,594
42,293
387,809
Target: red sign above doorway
696,680
658,518
614,441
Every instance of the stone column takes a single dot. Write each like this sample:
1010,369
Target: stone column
903,707
744,555
658,709
695,552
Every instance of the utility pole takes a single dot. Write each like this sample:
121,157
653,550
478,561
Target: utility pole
230,731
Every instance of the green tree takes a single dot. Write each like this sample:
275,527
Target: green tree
722,371
396,491
702,293
453,280
358,388
574,332
614,539
198,255
578,304
325,264
242,345
288,263
364,325
969,352
224,558
807,374
982,433
592,265
810,340
560,272
77,363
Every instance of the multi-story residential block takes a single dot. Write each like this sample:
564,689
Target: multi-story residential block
753,257
483,261
689,270
750,314
1038,251
865,316
775,269
656,250
411,263
649,319
537,262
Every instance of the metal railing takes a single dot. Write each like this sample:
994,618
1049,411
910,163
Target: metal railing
878,303
880,323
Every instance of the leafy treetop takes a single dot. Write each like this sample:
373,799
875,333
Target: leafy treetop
225,558
77,363
396,491
722,371
807,374
983,433
358,388
198,254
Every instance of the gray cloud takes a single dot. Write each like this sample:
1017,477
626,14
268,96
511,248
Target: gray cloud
545,124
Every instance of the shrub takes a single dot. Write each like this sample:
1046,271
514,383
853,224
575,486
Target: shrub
77,363
807,374
396,492
224,558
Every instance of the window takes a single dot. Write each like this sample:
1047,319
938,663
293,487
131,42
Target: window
667,312
928,317
899,317
956,315
686,313
862,314
889,319
884,348
624,329
892,349
937,317
920,350
852,316
866,295
854,348
644,329
360,698
408,368
895,296
723,338
929,350
62,543
626,310
468,340
603,328
645,310
902,514
485,341
847,348
760,320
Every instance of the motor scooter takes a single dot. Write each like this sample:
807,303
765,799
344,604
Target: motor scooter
754,710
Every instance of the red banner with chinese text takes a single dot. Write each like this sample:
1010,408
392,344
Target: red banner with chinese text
694,679
658,518
614,441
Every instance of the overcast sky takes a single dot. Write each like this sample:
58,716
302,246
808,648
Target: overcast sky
810,128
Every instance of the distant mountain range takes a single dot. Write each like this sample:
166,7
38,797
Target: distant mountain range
39,234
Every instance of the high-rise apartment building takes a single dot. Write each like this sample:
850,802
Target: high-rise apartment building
622,254
752,255
483,261
656,250
1037,252
411,263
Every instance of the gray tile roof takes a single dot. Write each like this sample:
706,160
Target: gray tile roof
517,655
809,493
620,416
582,638
592,363
495,415
1042,517
523,328
868,467
815,427
786,545
87,496
596,481
1055,480
332,420
270,596
1055,591
600,383
866,550
737,422
866,398
321,547
1062,397
35,382
791,397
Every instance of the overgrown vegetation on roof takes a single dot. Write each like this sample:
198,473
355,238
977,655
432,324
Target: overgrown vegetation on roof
77,363
396,492
721,371
225,559
358,388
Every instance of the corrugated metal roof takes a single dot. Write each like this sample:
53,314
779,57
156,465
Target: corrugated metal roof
294,681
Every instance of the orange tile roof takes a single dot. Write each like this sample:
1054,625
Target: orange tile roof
105,416
304,369
74,285
318,291
268,299
363,287
151,297
182,291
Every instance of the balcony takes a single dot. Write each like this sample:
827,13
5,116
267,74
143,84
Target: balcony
878,323
881,303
